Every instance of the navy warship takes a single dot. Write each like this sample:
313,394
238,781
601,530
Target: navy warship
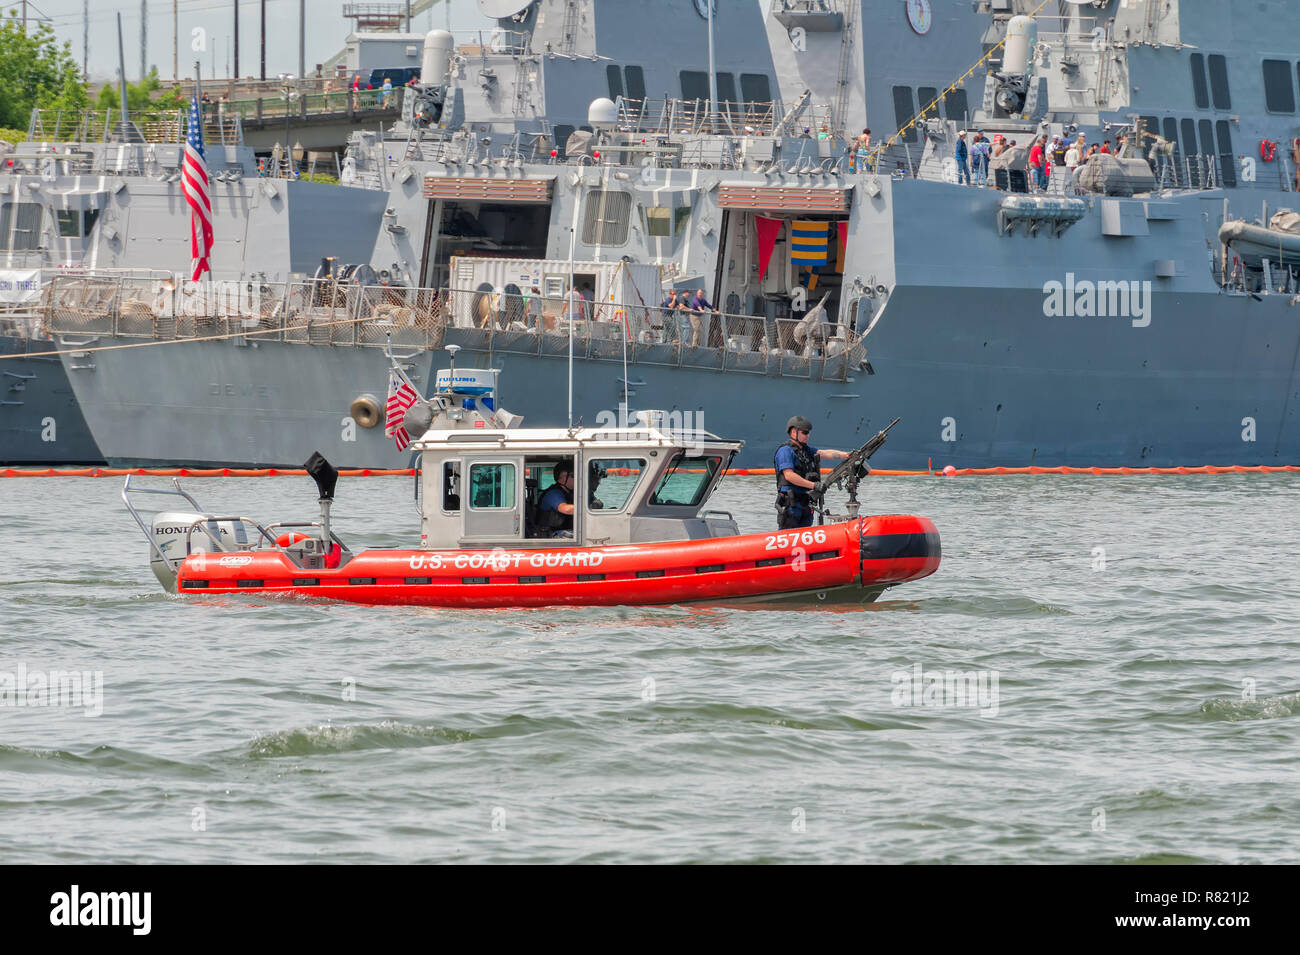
101,193
543,194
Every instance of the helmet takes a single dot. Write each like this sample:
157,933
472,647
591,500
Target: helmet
800,422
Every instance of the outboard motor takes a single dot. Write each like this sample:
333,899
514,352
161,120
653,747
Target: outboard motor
169,532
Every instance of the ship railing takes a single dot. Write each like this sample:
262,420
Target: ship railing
324,312
222,125
694,117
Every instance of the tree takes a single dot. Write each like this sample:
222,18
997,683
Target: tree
140,96
35,71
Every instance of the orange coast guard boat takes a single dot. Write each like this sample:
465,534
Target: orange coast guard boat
640,531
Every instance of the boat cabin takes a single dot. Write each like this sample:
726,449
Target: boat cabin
486,488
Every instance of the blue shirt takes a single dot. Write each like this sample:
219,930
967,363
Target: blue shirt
785,460
700,302
961,150
553,498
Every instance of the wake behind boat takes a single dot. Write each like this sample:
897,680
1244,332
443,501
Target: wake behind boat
515,517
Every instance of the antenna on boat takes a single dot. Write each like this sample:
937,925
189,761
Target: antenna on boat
451,350
325,476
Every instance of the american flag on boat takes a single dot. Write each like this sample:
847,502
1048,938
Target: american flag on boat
194,185
401,395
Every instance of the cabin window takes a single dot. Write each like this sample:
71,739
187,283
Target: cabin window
1171,130
903,112
611,481
1219,81
451,486
20,226
754,88
614,76
1279,92
1189,137
1199,90
491,487
687,481
608,214
634,80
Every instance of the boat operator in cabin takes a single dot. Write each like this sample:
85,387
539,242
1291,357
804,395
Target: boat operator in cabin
798,474
556,507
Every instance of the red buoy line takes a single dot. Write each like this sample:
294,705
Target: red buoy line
107,472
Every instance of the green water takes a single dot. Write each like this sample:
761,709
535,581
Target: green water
1102,670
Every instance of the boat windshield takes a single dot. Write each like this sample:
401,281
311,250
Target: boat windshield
686,481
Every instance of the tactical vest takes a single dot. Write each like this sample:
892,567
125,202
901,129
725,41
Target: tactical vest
805,465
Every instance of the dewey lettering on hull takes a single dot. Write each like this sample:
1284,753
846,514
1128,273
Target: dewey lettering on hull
218,389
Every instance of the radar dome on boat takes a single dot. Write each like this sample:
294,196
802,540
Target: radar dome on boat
602,113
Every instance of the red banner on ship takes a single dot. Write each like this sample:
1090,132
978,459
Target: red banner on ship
768,230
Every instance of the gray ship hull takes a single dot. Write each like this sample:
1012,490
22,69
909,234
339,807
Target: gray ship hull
40,422
273,405
1216,386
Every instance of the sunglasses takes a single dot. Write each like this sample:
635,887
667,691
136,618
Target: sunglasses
801,431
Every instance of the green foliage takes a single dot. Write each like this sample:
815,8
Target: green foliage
35,71
14,136
142,95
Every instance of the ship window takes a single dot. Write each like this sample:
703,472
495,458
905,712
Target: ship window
687,480
1219,81
1227,161
924,97
695,84
611,481
69,222
1140,144
1279,93
562,134
1171,130
1206,129
606,222
954,105
89,217
726,88
754,88
614,76
634,80
1189,137
903,112
451,486
20,229
491,487
663,221
1198,81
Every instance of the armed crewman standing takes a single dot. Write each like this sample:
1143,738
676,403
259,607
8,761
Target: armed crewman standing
798,470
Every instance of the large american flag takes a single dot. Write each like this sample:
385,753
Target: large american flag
194,184
401,395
